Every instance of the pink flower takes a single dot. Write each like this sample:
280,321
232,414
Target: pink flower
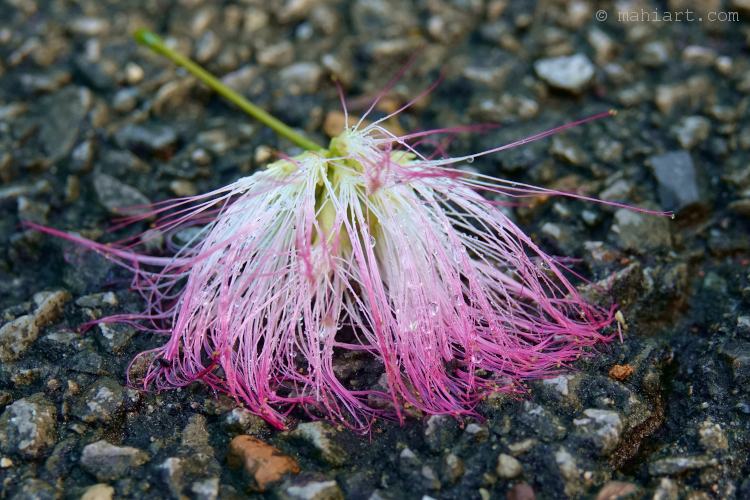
366,247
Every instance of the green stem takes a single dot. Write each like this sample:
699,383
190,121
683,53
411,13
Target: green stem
152,41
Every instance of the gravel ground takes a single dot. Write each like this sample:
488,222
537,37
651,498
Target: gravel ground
89,121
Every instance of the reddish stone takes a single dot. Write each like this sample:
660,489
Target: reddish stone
264,462
521,491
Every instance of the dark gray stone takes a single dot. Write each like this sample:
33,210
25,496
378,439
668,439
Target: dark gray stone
87,272
677,465
691,131
181,474
117,162
64,113
738,355
745,488
241,421
407,458
677,178
218,141
92,73
319,436
453,468
32,211
117,198
641,232
58,464
385,495
667,490
741,207
384,18
725,243
49,82
125,100
309,487
97,300
602,428
28,427
100,402
87,362
19,374
173,472
83,156
476,433
544,424
109,462
13,110
654,54
36,489
567,151
429,478
142,140
301,78
441,431
115,337
495,32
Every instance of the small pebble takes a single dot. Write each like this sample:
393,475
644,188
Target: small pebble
508,467
263,462
134,73
279,55
183,188
263,154
521,491
571,73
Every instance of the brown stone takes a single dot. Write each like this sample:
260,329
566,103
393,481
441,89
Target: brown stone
264,462
335,123
618,490
619,372
521,491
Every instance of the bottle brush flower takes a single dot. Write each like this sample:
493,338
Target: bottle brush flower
366,246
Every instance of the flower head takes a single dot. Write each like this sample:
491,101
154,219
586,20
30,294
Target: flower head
367,247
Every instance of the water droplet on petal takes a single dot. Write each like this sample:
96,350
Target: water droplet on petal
372,241
433,308
457,251
477,358
470,160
